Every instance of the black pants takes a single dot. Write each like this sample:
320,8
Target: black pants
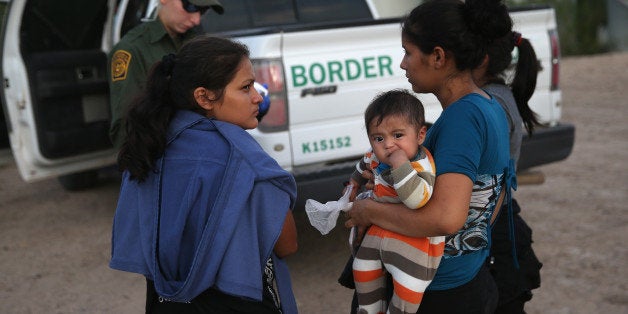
210,301
514,306
478,296
515,284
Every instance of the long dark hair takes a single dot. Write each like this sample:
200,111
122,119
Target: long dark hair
205,61
525,74
464,30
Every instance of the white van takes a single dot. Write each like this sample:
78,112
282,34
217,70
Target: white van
323,61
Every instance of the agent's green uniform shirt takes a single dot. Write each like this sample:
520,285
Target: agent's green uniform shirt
130,60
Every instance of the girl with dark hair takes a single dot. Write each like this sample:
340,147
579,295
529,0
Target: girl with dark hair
513,264
490,75
444,41
204,213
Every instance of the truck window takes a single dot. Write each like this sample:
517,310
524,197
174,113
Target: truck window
50,26
251,14
312,11
66,68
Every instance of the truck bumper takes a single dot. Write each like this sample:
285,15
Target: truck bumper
546,145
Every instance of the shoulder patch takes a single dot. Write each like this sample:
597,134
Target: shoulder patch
120,65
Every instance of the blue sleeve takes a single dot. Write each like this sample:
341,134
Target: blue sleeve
456,140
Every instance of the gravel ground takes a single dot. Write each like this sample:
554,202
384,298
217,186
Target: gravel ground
55,245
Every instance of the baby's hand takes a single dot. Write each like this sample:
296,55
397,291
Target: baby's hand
397,158
368,175
355,188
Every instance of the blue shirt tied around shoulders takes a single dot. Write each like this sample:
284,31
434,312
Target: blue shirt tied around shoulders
208,216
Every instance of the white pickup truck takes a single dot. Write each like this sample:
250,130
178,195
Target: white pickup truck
323,62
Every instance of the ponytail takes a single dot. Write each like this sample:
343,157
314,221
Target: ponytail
525,73
147,122
524,81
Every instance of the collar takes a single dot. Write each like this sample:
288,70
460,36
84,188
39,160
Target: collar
182,120
156,31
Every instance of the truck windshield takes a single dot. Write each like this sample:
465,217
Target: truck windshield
251,14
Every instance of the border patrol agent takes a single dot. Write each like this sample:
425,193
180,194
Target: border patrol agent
133,56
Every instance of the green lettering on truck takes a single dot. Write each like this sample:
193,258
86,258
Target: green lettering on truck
385,62
335,69
306,148
368,66
317,68
298,75
323,145
357,70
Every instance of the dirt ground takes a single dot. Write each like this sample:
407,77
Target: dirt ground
55,245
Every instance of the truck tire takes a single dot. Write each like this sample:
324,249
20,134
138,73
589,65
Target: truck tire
79,180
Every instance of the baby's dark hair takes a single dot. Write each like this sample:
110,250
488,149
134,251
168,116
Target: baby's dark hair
464,30
397,102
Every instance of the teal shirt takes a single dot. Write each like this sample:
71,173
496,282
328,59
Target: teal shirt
130,60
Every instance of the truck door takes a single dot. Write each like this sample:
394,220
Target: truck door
5,151
55,94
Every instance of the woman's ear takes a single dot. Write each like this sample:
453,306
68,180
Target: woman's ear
204,97
438,57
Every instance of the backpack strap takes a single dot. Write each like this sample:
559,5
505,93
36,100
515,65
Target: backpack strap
510,182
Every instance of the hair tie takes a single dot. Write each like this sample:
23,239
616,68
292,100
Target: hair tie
516,37
168,63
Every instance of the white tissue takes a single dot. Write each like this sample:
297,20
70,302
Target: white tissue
324,216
